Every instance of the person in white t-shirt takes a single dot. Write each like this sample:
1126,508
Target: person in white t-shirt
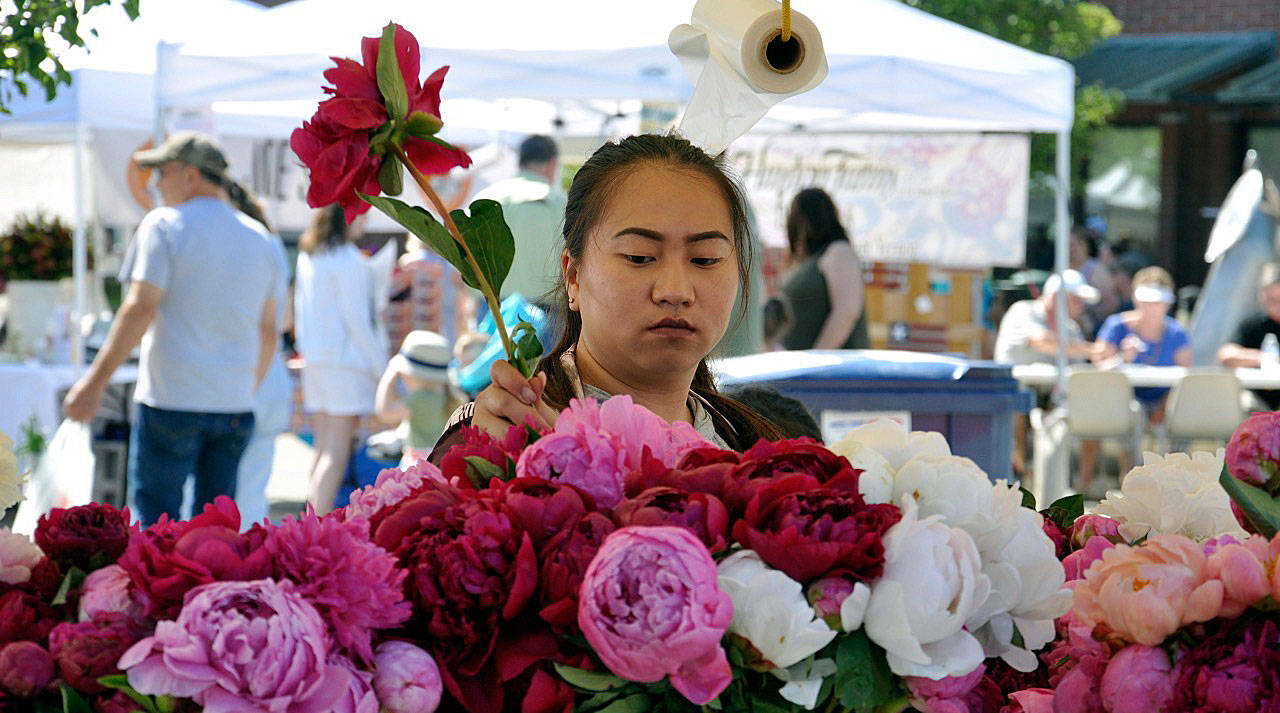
202,301
339,339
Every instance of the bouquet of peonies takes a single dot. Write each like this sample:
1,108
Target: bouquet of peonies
1174,603
619,563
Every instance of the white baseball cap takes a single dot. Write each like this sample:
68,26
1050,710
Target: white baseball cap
1075,284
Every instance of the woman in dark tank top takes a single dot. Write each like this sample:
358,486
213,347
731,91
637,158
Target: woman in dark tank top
823,293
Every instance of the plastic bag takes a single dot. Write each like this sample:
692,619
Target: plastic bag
63,477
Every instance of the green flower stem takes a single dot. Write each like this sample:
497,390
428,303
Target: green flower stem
490,296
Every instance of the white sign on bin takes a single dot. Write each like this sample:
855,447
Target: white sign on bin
837,424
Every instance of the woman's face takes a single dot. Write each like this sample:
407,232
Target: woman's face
658,276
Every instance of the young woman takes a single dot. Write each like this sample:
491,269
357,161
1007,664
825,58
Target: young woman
344,351
656,248
823,292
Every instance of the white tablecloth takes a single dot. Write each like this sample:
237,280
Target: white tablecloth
34,389
1044,375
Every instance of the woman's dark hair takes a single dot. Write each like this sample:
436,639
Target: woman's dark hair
328,229
813,223
242,198
589,194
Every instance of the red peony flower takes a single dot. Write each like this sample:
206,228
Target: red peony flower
564,560
26,669
334,145
24,617
477,442
87,650
768,461
543,508
470,568
88,536
1233,670
701,470
807,530
1059,538
702,514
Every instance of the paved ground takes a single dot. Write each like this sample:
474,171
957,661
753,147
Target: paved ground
287,489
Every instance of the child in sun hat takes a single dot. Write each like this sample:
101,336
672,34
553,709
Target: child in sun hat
414,391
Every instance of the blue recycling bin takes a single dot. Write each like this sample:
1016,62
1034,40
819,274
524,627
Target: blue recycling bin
970,402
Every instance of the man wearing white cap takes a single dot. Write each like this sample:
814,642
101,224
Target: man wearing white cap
1028,332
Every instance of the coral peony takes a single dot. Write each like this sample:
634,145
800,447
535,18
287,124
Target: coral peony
87,650
244,646
391,486
1143,594
1244,570
1137,680
650,607
26,668
334,145
18,556
702,514
87,536
808,531
1253,453
354,584
406,678
1177,494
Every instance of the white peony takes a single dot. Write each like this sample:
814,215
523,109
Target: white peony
1177,494
875,483
18,556
932,584
853,610
953,487
770,610
891,440
10,479
1027,581
804,681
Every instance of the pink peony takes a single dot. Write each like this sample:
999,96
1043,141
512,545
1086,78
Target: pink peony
1242,569
110,591
595,445
826,595
1253,453
651,607
1078,562
26,668
946,695
406,678
1137,680
242,646
392,486
18,556
1030,700
1075,664
1088,526
1143,594
359,697
353,583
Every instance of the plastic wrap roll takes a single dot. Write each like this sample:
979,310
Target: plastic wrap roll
740,66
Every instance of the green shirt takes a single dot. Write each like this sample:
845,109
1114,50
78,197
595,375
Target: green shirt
535,212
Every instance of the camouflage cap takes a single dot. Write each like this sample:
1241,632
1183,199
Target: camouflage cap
189,147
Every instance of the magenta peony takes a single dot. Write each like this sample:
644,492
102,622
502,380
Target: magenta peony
595,445
1143,594
87,536
18,556
354,584
87,650
392,486
651,607
946,695
1253,453
26,668
1137,680
242,646
406,678
1078,562
1233,670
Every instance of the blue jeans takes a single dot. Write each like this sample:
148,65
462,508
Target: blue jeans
166,446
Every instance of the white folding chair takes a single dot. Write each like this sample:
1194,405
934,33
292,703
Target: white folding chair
1204,405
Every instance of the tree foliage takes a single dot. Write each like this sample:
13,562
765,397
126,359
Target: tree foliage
30,38
1061,28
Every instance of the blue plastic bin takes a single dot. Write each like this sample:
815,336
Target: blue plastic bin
970,402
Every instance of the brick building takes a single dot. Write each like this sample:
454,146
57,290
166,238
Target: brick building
1201,80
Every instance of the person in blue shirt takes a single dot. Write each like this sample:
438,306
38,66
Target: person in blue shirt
1146,334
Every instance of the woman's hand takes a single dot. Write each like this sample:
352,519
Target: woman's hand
511,399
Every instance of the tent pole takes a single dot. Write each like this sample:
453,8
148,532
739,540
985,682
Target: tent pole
1061,256
80,253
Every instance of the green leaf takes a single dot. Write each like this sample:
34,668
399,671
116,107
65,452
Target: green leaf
490,240
1258,507
1028,500
1017,639
528,348
390,80
120,682
424,225
481,471
1066,510
72,702
73,578
587,680
391,177
422,125
863,679
763,705
638,703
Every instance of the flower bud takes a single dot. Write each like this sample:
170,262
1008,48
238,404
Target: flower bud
406,678
25,668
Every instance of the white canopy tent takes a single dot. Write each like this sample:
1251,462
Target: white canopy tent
892,68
